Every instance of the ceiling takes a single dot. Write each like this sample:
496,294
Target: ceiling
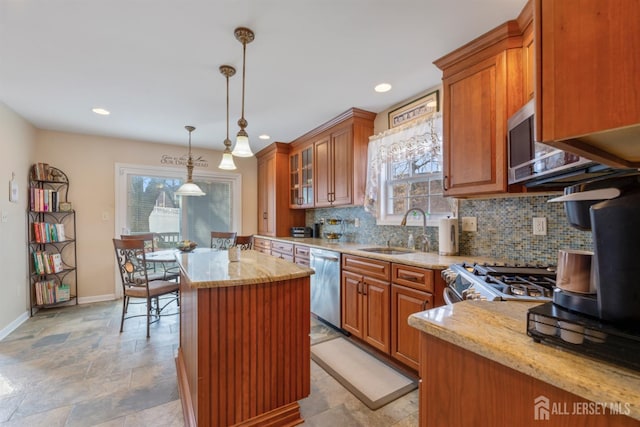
154,63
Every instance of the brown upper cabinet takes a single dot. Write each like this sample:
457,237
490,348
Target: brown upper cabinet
339,155
275,218
575,58
588,78
483,85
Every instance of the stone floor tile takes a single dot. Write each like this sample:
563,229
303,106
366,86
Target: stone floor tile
72,367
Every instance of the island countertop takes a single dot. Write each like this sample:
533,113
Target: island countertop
211,268
497,331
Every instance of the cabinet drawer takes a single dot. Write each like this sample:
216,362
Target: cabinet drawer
301,251
286,257
301,255
282,248
413,277
262,244
367,266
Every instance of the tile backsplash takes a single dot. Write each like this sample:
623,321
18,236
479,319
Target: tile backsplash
504,229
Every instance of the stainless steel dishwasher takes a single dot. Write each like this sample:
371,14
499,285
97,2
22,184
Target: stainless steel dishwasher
325,285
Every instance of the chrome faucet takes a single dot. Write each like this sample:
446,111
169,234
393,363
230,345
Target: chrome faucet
425,240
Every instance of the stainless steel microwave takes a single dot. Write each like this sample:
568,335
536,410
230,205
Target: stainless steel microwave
535,164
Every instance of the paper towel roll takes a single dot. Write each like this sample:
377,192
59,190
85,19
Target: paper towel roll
448,236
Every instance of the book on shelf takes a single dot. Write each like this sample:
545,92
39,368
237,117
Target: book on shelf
46,262
63,293
38,267
56,263
44,232
50,292
60,231
41,171
44,200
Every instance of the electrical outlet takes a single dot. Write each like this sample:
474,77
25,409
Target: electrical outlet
539,226
469,223
5,216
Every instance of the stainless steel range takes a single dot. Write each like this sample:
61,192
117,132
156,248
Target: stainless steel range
498,282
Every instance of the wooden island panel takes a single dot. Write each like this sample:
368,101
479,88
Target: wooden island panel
460,388
244,357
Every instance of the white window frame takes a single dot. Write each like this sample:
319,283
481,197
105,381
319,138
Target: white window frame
123,170
386,218
420,137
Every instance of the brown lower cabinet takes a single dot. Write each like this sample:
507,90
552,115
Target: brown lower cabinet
412,291
459,388
404,338
365,300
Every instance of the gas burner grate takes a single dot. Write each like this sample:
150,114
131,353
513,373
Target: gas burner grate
531,285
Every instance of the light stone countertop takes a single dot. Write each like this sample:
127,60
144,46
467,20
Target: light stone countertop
497,331
211,268
429,260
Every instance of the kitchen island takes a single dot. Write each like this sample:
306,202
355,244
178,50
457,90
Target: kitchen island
244,356
479,367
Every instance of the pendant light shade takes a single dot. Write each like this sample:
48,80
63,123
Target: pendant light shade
227,158
227,162
189,188
242,148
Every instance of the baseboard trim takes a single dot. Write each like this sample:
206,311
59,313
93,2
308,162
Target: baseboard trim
96,298
13,325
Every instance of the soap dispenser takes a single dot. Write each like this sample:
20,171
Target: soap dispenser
411,244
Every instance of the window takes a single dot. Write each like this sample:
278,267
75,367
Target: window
405,171
145,202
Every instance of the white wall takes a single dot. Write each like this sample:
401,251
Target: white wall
89,162
17,144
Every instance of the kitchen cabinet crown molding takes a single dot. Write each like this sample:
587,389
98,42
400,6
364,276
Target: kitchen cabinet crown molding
277,147
499,39
352,113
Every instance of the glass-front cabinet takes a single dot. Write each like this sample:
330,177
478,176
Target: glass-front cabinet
301,178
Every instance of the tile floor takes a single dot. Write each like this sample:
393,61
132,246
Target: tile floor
71,367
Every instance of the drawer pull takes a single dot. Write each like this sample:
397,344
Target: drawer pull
409,278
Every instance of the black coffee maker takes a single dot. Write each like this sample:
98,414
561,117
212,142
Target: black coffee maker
610,209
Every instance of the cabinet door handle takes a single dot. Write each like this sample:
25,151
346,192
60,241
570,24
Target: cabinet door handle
264,215
358,286
444,182
424,304
364,288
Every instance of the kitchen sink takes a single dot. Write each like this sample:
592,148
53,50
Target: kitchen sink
388,251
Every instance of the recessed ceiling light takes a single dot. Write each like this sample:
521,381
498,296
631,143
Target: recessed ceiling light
264,136
101,111
382,87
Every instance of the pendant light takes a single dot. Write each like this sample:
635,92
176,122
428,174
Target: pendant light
189,188
227,158
242,148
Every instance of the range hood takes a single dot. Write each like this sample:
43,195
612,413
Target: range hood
585,171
